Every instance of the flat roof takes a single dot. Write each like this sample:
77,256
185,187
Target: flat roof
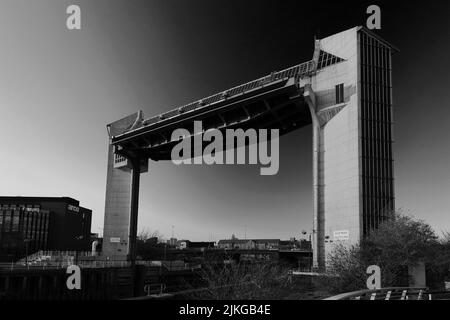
18,200
37,199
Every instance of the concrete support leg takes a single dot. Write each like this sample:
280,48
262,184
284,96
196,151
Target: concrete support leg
319,232
135,179
117,210
318,210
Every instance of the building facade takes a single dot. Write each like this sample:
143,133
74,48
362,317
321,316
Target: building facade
29,224
23,230
249,244
242,244
200,245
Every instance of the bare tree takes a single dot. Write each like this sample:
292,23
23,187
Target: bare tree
146,233
243,281
346,269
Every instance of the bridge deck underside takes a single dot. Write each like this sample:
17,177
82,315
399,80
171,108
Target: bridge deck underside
280,105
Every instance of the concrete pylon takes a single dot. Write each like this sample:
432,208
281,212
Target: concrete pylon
122,194
318,222
350,103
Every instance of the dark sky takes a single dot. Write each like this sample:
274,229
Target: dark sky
59,89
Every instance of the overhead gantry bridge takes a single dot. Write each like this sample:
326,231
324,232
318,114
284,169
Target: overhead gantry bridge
344,91
275,101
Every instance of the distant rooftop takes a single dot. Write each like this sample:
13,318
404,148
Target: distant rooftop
247,240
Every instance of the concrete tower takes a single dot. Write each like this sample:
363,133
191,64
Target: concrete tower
118,200
353,183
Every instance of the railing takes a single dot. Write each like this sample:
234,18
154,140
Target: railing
179,267
53,256
183,293
394,293
154,288
45,265
298,70
63,265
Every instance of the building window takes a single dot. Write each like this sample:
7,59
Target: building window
7,221
340,93
15,221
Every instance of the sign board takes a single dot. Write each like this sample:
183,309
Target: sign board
114,240
341,235
73,208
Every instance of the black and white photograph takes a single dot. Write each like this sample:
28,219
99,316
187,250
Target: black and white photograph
215,157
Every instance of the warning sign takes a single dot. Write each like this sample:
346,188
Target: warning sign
341,235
